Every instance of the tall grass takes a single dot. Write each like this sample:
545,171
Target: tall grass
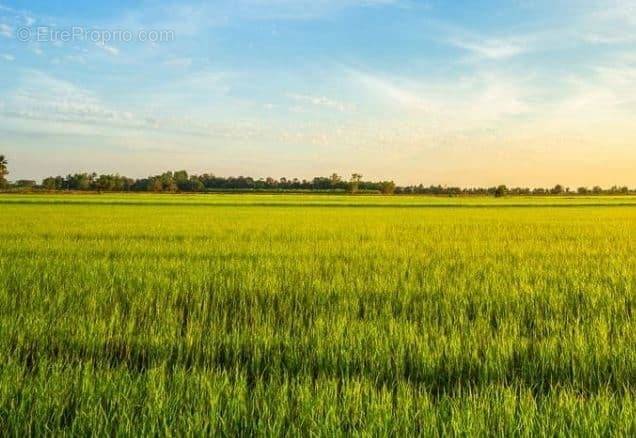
186,319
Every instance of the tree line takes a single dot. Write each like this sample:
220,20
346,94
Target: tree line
182,182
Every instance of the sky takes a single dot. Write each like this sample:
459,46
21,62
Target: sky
468,93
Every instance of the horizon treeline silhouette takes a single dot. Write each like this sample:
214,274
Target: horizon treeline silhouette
181,181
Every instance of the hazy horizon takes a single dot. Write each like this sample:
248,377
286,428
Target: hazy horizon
462,94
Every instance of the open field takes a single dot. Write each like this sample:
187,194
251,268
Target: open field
318,200
255,314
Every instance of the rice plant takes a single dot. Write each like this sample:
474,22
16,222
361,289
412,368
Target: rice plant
283,315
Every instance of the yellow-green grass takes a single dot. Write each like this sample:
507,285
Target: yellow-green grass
315,200
231,315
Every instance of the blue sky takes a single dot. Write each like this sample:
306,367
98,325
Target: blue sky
463,92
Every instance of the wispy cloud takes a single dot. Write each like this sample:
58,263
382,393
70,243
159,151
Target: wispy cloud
491,48
321,101
454,103
42,96
6,30
107,48
391,89
178,62
610,23
7,57
594,23
19,17
607,94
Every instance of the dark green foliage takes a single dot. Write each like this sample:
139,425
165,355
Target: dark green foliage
180,181
4,171
501,191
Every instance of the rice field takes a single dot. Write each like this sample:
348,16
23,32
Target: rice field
304,315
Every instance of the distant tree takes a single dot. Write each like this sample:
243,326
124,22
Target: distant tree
582,190
4,171
270,182
354,184
520,191
79,181
321,183
196,185
49,183
53,183
25,184
181,180
335,180
597,190
557,190
501,191
387,187
168,182
155,185
616,190
105,182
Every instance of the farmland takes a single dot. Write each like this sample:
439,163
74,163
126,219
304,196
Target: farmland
326,315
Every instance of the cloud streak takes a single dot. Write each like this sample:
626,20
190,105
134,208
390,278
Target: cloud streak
108,48
491,48
321,101
6,30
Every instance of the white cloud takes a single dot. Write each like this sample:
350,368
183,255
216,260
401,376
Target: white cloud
451,104
179,62
41,96
390,90
491,48
488,99
79,59
608,94
612,22
18,17
6,31
320,101
59,106
7,57
594,23
110,49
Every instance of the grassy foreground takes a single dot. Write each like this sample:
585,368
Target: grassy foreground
243,315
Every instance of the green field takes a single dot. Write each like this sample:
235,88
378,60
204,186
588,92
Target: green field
317,315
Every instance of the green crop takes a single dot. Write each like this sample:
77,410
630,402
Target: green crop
317,315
